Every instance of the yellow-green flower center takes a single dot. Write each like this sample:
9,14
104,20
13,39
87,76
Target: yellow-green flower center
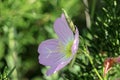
68,49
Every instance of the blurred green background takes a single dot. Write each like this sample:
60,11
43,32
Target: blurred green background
24,24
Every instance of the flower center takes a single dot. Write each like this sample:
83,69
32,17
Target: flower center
68,49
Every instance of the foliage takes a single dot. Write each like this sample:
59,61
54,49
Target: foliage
26,23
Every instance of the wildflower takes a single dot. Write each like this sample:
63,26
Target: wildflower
109,62
57,53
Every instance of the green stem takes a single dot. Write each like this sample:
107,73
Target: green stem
93,8
104,75
90,59
12,55
73,60
11,71
105,78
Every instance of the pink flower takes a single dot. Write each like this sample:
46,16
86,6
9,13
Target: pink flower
57,53
109,62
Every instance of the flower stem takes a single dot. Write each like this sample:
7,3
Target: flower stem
73,60
105,77
90,59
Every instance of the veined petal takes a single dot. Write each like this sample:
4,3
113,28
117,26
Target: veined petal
50,52
62,29
56,68
62,64
51,55
76,42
